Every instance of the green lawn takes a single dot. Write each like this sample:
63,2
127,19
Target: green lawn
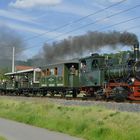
90,123
2,138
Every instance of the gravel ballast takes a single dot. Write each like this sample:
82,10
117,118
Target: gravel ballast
127,107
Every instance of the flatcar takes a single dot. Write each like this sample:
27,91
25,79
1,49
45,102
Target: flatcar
22,82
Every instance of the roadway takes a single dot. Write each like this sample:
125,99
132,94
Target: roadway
18,131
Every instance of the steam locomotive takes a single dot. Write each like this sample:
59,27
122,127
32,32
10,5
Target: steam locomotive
98,76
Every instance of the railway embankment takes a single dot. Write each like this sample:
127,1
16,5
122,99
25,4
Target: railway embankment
118,106
89,121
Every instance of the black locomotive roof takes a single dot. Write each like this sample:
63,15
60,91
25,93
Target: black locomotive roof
62,63
93,56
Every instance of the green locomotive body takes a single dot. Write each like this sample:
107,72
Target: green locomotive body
117,78
92,71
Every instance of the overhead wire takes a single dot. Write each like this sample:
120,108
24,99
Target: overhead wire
96,21
77,20
122,22
107,17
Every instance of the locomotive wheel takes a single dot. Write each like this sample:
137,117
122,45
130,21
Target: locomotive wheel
99,95
119,94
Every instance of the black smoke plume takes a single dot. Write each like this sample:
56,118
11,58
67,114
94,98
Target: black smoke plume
9,39
90,42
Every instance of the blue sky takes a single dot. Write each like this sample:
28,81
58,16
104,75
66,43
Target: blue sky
30,18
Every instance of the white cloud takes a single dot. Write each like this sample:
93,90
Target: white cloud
106,1
29,29
114,1
33,3
78,10
16,16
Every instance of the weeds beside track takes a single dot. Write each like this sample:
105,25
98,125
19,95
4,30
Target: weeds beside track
88,122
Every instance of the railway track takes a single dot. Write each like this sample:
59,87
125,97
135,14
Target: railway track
126,106
79,98
91,99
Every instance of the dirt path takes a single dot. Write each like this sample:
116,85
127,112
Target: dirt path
18,131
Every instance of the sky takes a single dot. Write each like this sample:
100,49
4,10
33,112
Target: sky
40,21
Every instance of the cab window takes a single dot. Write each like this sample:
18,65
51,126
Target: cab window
48,72
55,71
44,73
95,63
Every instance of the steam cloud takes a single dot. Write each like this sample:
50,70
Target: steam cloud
92,41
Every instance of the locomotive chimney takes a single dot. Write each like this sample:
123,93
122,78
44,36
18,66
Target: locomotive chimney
136,51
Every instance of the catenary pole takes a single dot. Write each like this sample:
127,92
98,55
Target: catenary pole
13,60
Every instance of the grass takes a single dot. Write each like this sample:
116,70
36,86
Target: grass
2,138
90,123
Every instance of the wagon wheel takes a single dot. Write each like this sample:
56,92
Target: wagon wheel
44,93
74,93
63,94
52,94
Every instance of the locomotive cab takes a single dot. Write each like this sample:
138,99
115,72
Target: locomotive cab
92,73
